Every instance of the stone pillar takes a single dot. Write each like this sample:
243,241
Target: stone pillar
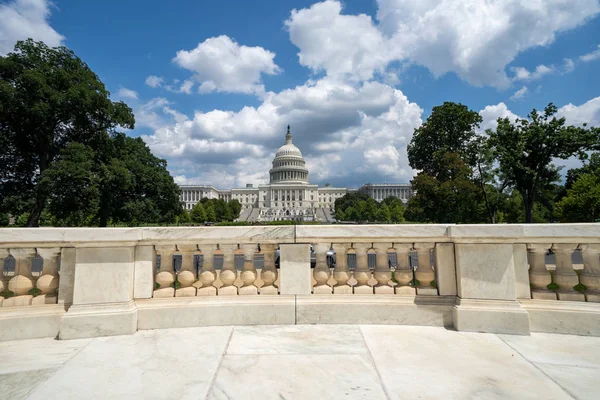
187,275
103,294
269,271
294,269
49,281
362,273
321,273
145,265
165,278
208,275
383,273
341,273
487,290
590,276
565,276
66,282
445,270
228,273
424,273
403,273
3,255
539,276
249,274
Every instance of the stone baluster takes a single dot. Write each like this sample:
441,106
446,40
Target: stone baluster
228,273
49,281
208,275
590,276
382,274
165,278
269,271
565,276
403,273
22,282
341,273
539,276
424,273
249,274
322,272
187,275
362,273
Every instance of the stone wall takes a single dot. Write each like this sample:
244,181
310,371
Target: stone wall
84,282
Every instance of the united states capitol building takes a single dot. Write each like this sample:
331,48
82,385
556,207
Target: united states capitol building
288,195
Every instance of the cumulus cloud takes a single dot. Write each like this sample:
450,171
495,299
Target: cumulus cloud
591,56
587,113
127,93
154,81
23,19
519,94
344,132
475,39
349,45
221,64
491,113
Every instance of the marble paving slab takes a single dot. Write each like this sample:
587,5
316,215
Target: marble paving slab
549,348
440,364
16,385
581,383
37,354
264,377
169,364
297,339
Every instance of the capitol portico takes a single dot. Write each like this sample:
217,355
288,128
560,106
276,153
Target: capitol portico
288,195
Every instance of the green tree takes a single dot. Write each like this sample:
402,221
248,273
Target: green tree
210,212
369,209
384,214
582,202
48,99
450,128
135,184
452,197
525,150
72,186
198,214
396,208
4,220
235,208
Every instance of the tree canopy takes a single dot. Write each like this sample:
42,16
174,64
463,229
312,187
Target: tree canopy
526,148
61,150
359,207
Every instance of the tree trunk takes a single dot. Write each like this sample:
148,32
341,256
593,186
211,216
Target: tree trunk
36,212
529,201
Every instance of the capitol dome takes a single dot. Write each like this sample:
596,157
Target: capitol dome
288,164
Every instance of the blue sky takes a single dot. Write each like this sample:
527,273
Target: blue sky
213,84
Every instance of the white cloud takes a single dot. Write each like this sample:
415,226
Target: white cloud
23,19
519,94
568,66
591,56
342,130
490,115
342,45
154,81
588,112
127,93
221,64
475,39
522,74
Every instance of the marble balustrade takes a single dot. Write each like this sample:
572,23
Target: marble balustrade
80,282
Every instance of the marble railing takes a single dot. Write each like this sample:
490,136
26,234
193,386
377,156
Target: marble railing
80,282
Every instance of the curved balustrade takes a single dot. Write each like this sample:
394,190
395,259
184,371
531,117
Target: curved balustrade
507,279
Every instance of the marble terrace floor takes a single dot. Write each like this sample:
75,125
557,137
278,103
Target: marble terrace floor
303,362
